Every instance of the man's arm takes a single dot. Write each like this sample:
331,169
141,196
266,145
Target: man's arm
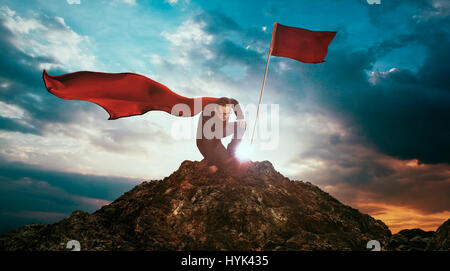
238,129
240,118
237,110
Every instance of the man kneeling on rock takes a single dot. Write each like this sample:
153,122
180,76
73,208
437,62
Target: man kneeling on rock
213,125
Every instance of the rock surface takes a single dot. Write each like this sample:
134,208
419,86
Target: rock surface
411,240
419,240
442,237
193,210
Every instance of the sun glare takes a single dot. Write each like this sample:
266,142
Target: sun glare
244,151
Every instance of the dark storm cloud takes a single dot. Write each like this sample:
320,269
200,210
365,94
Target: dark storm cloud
29,193
425,189
405,115
354,172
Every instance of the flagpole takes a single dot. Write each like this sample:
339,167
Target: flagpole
260,95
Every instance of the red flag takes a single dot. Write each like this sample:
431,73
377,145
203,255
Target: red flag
300,44
121,94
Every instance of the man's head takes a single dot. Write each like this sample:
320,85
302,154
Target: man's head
224,107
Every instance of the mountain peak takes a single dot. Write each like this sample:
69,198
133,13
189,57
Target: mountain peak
193,210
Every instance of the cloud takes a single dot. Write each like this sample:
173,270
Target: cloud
405,113
212,55
398,154
357,174
39,128
189,41
384,107
376,76
74,2
195,59
95,143
131,2
33,194
48,37
175,2
28,45
334,156
399,217
155,58
10,111
171,2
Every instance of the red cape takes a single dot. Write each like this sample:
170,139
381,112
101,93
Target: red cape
121,94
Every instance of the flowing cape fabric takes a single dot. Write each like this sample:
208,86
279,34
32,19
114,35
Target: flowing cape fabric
122,94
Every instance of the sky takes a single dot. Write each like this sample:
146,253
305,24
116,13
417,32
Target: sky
369,125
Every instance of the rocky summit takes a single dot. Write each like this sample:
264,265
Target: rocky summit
194,210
